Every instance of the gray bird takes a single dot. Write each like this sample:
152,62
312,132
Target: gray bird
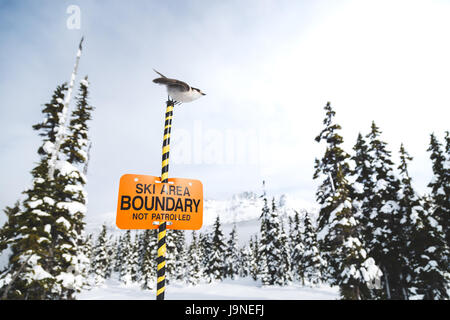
178,90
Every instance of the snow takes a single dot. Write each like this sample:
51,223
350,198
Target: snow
441,191
38,180
39,273
73,207
352,242
40,213
433,222
389,207
380,185
430,249
48,147
64,222
34,204
42,239
47,228
358,187
49,201
84,82
67,169
238,289
73,188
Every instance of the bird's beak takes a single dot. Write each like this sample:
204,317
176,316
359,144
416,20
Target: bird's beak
204,94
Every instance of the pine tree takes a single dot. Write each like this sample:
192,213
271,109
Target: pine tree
362,186
171,255
9,229
118,257
430,277
352,268
311,261
101,258
205,247
147,262
273,244
84,262
263,247
285,248
49,241
431,251
409,206
231,263
7,233
180,255
298,247
111,251
254,258
245,260
216,258
195,270
385,245
71,196
34,257
128,271
326,171
440,183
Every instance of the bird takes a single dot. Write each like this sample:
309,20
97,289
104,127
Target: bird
178,90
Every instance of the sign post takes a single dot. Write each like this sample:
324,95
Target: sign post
161,259
149,202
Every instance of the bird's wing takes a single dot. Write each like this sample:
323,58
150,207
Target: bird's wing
160,73
183,86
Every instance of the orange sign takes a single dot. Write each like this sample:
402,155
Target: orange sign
144,202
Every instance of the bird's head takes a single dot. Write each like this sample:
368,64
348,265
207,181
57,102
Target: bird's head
198,92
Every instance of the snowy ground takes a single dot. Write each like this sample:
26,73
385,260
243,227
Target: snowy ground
239,289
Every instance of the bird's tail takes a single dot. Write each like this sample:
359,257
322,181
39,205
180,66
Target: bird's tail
160,73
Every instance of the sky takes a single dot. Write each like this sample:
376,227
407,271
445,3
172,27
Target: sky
268,69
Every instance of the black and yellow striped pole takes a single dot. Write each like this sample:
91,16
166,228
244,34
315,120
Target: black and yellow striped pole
161,259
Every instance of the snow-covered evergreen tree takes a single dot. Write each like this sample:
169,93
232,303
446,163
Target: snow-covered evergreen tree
35,261
101,259
180,257
171,255
410,207
71,195
430,267
311,261
84,261
273,247
262,246
431,251
232,258
362,186
195,266
205,249
440,183
254,258
326,171
245,260
9,229
118,257
298,247
385,245
49,243
129,269
147,252
285,248
352,268
216,263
